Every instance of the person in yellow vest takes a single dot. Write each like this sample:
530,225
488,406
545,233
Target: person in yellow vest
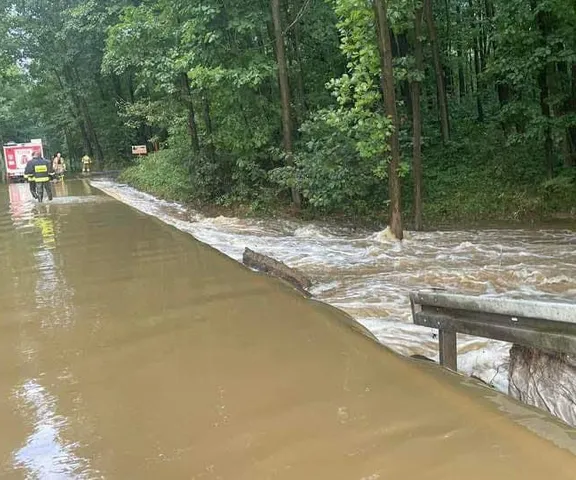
39,172
86,162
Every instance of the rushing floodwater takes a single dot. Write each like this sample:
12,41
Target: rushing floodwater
370,277
130,350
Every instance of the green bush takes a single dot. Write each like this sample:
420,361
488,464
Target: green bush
480,176
162,174
330,173
559,193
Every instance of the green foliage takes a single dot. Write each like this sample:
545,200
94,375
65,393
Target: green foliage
161,174
198,80
531,39
479,177
559,193
15,125
359,112
330,172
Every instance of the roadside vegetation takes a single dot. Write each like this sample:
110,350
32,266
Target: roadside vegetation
415,112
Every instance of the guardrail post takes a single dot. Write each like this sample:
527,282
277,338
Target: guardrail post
448,351
549,326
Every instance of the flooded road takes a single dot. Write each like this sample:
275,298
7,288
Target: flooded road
130,350
370,277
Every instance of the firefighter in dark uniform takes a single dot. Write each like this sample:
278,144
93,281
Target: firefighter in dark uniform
39,172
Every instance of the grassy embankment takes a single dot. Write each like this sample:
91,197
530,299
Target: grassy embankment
477,179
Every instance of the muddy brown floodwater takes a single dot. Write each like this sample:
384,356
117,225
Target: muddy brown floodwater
128,349
370,277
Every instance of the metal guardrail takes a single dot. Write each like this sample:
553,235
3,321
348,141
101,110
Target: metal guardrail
546,325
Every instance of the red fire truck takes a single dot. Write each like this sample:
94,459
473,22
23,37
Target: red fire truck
17,155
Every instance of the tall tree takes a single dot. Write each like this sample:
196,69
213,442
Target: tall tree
389,92
439,71
190,113
417,120
570,154
283,81
477,60
544,23
215,86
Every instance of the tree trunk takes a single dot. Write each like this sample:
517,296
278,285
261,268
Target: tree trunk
417,123
489,8
72,151
477,62
570,161
130,87
85,138
570,158
461,78
568,107
75,83
401,49
387,76
208,125
448,21
479,106
545,109
470,61
503,90
300,90
75,112
544,24
264,263
440,84
461,62
488,29
449,77
186,98
84,134
98,153
284,92
141,134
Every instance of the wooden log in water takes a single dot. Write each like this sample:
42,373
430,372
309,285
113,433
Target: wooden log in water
264,263
422,357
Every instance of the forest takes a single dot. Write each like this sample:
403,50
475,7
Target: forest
418,112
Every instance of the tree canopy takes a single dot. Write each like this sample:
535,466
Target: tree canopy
333,106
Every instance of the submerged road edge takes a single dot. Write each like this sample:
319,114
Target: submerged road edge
536,421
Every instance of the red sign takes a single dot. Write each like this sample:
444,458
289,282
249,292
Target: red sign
16,157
